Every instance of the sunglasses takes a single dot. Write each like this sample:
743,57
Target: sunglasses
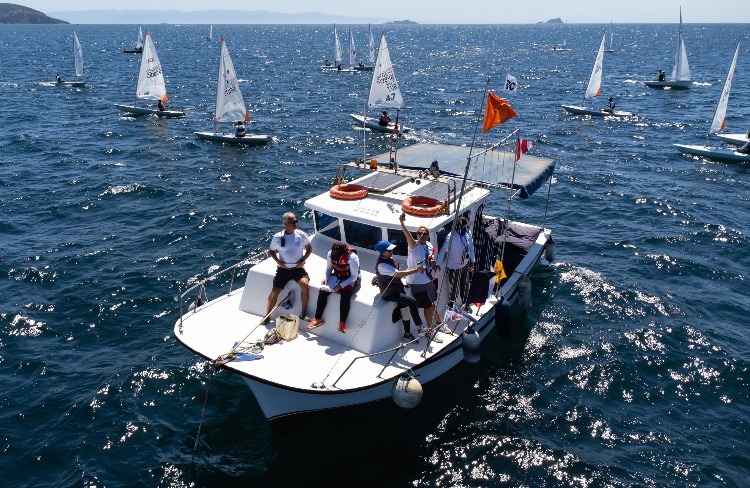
423,233
290,221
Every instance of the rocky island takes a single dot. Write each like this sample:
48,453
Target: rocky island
10,13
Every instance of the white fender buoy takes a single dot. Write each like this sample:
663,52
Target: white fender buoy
191,307
406,391
195,305
549,250
524,292
502,317
471,345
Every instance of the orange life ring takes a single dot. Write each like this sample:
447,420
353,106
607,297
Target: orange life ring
422,206
346,191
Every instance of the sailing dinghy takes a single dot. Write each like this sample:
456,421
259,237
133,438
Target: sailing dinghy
138,45
370,53
593,89
384,93
718,152
151,85
338,58
610,49
230,106
680,79
78,56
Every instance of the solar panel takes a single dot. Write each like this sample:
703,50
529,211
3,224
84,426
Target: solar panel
435,189
382,182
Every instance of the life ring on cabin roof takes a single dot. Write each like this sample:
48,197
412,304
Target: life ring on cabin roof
423,206
346,191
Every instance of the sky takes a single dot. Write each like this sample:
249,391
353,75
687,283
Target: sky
452,11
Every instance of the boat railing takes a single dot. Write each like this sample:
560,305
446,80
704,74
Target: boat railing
200,286
393,350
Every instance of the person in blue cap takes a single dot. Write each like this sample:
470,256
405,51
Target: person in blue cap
392,288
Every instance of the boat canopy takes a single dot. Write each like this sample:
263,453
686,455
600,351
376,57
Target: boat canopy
530,173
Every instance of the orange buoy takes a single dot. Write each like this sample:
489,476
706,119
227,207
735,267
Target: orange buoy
348,192
422,206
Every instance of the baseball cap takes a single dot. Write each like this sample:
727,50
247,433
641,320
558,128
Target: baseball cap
383,246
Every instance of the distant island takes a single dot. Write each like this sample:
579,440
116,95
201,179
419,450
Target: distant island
555,21
402,22
10,13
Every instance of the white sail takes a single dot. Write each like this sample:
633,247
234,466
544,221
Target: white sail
352,50
230,106
371,47
384,90
210,33
681,70
721,108
139,44
336,47
595,81
151,84
78,54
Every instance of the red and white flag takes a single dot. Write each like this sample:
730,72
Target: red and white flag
523,146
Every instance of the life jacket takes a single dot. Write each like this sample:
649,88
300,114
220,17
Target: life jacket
341,269
389,285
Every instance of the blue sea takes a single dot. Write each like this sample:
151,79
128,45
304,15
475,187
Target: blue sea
629,370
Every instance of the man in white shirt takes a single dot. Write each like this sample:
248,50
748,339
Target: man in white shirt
290,248
458,261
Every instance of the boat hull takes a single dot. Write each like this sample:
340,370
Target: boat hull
736,139
719,153
669,84
578,110
132,51
230,138
149,111
372,124
76,84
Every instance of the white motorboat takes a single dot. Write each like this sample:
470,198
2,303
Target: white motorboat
593,89
717,124
151,85
680,79
230,106
323,368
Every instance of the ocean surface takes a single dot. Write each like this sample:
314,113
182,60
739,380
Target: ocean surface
630,369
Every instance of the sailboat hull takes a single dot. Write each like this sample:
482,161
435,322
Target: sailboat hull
736,139
149,111
597,112
231,138
671,84
76,84
719,153
132,51
364,68
372,123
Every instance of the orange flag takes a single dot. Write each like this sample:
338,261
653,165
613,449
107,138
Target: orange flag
497,112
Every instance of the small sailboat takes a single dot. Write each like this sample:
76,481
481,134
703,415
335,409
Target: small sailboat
352,51
230,106
594,88
370,53
561,48
611,35
337,56
78,56
210,34
384,93
717,152
151,85
138,45
680,78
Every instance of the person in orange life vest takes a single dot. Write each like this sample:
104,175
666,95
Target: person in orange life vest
422,252
392,288
290,248
342,275
160,105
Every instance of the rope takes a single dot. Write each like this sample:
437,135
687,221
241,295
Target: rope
203,412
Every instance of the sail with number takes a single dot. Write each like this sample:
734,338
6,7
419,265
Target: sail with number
371,47
384,90
230,106
595,81
78,55
681,70
151,84
721,108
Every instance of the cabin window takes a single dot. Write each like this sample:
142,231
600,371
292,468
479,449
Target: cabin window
361,235
398,238
327,225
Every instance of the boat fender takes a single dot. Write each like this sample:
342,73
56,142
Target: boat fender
195,304
423,206
346,191
524,292
471,345
502,317
549,250
406,391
